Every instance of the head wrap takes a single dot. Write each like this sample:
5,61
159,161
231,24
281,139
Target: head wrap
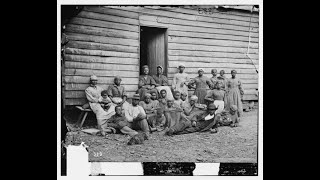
213,70
200,69
136,96
147,95
93,77
181,65
160,67
117,77
194,98
233,71
145,66
234,108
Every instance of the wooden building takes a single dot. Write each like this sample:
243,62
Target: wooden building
110,40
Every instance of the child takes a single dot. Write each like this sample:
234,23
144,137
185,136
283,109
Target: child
184,100
154,98
157,121
216,96
163,98
177,101
106,101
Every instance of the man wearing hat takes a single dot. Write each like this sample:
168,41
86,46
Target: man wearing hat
146,83
136,116
180,80
207,121
93,94
162,81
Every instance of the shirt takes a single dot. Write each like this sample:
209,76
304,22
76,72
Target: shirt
161,80
132,112
93,94
145,80
152,105
116,91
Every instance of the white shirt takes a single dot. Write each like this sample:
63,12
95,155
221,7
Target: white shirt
132,112
208,117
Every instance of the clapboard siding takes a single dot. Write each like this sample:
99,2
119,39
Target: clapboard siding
104,41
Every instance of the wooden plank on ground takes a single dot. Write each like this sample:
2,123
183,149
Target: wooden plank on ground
98,31
101,39
113,67
104,24
100,53
103,80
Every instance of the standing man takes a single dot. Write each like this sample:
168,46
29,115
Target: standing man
93,94
136,116
162,81
180,80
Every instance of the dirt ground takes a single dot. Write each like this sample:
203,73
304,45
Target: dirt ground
228,145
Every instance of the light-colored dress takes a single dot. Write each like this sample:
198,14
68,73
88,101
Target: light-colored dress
93,94
178,79
163,82
117,93
202,85
233,95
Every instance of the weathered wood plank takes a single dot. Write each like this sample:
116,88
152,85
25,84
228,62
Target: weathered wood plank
208,69
215,14
230,11
250,97
195,65
167,20
189,53
82,87
99,53
211,42
102,73
216,18
104,24
99,46
211,36
102,39
102,80
196,47
240,76
107,18
213,60
111,11
81,94
97,59
72,102
188,28
114,67
97,31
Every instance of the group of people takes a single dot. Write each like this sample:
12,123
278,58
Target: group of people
156,106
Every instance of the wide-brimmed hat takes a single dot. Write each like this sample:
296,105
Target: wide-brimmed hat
212,107
136,96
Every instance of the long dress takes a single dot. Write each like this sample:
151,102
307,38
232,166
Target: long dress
223,80
162,81
178,79
93,94
202,85
146,80
233,95
213,82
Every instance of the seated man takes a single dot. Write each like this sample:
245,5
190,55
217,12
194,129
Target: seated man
136,116
117,93
93,94
146,83
200,123
119,123
162,82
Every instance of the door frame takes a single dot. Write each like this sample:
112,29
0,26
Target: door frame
166,58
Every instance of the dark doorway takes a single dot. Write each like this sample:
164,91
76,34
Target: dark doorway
153,48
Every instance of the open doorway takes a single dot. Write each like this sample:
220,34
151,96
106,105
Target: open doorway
153,48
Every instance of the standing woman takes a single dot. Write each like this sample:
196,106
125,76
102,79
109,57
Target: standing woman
180,81
222,78
146,83
214,78
202,83
234,93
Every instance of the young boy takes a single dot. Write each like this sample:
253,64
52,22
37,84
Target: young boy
154,98
216,96
157,121
106,101
177,101
184,100
163,98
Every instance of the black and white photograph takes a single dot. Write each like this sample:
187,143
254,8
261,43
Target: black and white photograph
165,88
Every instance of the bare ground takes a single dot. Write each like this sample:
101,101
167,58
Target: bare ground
228,145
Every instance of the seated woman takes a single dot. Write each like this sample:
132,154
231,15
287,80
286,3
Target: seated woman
146,83
150,107
118,94
162,82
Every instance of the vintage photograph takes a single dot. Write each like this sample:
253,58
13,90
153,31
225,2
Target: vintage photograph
160,83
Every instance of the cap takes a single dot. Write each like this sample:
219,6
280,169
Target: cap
93,77
136,96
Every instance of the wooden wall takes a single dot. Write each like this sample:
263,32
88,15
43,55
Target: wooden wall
105,41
